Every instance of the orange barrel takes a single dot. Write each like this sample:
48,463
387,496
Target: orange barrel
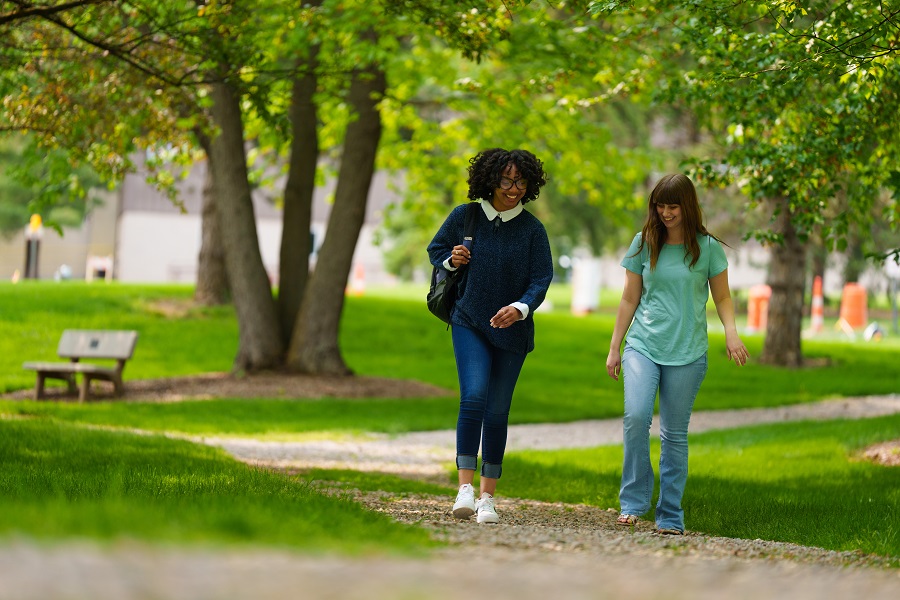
854,306
758,307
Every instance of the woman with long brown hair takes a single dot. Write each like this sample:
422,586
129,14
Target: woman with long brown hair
670,269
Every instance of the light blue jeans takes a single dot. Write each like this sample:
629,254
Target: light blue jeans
677,387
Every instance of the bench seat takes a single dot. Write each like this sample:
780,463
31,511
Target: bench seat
69,367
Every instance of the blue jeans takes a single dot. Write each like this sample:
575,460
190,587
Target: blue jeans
487,378
677,386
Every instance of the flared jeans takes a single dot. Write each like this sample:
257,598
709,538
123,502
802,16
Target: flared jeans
677,387
487,378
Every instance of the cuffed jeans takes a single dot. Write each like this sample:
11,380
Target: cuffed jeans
487,378
678,387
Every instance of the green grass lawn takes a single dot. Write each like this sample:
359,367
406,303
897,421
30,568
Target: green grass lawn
797,482
564,379
175,338
62,481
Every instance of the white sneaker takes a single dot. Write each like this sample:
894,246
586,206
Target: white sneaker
465,502
485,509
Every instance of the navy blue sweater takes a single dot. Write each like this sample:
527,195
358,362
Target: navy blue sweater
510,262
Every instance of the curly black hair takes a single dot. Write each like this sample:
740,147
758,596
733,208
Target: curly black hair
486,167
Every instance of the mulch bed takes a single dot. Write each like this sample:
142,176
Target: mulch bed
261,385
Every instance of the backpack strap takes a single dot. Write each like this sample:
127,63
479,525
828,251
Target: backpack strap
469,228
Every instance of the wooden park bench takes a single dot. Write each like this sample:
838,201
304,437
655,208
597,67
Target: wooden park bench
76,344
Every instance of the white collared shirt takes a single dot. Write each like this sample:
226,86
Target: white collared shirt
507,215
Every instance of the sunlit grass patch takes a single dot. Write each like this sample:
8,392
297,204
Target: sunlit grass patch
60,481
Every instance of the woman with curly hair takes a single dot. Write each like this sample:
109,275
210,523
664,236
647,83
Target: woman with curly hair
509,268
671,268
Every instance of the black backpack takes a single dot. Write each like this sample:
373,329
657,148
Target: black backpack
442,294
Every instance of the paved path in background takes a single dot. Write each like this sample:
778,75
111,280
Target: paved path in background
426,454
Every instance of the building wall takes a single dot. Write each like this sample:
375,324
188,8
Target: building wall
158,247
53,251
67,252
165,247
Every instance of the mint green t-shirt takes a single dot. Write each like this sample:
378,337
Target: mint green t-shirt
669,325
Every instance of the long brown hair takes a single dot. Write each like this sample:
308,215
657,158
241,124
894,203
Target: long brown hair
674,189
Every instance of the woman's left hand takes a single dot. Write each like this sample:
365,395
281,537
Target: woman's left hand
505,317
736,350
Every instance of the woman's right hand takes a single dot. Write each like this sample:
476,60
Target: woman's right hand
459,256
614,364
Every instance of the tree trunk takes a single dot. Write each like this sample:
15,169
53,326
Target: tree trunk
212,280
260,345
818,257
818,261
855,256
298,196
314,346
785,318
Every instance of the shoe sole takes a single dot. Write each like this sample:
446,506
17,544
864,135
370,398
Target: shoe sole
463,512
491,520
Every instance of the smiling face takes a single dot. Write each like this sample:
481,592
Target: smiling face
505,199
670,215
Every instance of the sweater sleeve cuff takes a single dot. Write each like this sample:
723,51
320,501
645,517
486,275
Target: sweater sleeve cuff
523,308
449,266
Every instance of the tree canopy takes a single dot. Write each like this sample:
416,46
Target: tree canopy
792,105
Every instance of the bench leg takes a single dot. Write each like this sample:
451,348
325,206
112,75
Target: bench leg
118,386
85,387
40,387
70,381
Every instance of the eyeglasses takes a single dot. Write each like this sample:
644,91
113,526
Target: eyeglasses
506,183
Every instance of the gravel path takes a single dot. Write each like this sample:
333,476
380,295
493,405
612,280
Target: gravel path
539,550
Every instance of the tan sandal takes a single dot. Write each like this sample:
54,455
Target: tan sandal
667,531
626,520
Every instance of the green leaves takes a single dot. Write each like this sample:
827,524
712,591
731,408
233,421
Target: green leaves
557,85
794,96
605,7
473,29
39,181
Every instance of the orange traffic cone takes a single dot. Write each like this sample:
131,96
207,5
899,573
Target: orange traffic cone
357,285
817,314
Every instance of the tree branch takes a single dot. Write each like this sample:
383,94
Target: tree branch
841,47
28,10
